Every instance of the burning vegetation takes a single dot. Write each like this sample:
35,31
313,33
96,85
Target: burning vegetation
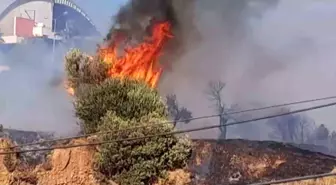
116,90
140,62
134,48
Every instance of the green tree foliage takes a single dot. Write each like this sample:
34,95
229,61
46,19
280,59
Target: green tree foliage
140,161
82,69
129,99
110,104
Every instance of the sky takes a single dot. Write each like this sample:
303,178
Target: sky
100,11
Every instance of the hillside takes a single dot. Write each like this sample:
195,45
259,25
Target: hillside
63,166
242,161
21,136
230,162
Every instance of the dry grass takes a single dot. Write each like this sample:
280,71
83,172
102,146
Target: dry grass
321,181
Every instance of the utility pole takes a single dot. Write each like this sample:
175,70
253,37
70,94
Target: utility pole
54,35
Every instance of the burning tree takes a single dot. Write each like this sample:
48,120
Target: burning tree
140,62
115,92
127,98
84,70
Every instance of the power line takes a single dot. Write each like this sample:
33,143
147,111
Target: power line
261,108
172,133
191,119
296,179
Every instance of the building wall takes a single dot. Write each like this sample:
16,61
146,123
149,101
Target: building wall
24,27
12,39
39,11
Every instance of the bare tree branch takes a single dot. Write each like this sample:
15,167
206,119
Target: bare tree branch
177,113
214,93
290,128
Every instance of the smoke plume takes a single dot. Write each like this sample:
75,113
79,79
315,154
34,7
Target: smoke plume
285,54
267,52
134,18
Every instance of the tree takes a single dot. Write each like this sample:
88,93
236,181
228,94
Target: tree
127,98
176,112
140,161
83,70
215,95
333,140
305,127
292,128
321,135
110,104
120,105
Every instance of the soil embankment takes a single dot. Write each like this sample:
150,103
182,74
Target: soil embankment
212,163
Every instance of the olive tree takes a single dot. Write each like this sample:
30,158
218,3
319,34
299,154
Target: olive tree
128,98
118,105
140,161
82,69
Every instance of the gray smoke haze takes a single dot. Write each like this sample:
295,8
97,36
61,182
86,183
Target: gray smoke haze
32,95
266,53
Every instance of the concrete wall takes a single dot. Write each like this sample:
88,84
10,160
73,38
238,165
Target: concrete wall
40,11
12,39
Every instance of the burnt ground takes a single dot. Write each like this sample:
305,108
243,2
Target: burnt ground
243,162
213,162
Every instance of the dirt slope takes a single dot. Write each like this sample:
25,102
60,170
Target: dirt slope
64,167
212,163
69,166
241,161
4,174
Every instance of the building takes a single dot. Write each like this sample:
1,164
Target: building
22,19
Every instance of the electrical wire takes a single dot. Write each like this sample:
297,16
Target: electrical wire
308,177
184,120
171,133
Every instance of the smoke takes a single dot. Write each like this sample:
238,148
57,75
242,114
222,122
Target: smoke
32,95
266,52
134,19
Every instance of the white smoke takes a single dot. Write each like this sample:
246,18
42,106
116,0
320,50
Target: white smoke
286,54
32,95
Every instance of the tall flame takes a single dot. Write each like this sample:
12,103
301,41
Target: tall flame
140,62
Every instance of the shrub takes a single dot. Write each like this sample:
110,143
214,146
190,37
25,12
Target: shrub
10,160
129,99
110,104
140,161
83,69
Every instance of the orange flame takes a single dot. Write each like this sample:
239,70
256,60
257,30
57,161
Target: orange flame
70,91
140,62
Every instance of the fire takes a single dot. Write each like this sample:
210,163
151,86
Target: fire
70,91
140,62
